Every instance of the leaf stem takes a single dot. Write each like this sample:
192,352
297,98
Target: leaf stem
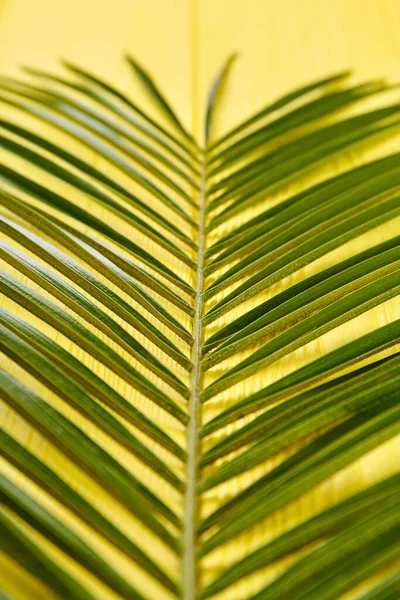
191,501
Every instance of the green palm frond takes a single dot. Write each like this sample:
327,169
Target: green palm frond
160,302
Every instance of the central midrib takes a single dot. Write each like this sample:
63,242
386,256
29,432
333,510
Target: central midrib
189,575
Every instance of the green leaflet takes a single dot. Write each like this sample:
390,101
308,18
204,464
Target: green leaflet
362,546
48,480
351,305
96,316
318,193
303,161
215,91
95,386
95,193
23,550
343,278
93,128
357,350
119,136
159,98
71,328
137,140
313,110
15,345
77,244
44,195
98,176
322,406
324,525
43,522
305,253
309,466
285,100
315,301
280,164
320,415
127,265
297,296
136,272
91,140
78,247
134,108
115,136
89,456
311,220
386,589
275,220
60,359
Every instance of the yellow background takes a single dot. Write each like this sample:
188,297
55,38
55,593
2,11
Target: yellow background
281,43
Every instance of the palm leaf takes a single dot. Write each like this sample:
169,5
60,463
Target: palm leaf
196,347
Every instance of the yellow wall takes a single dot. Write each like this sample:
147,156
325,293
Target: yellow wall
280,43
